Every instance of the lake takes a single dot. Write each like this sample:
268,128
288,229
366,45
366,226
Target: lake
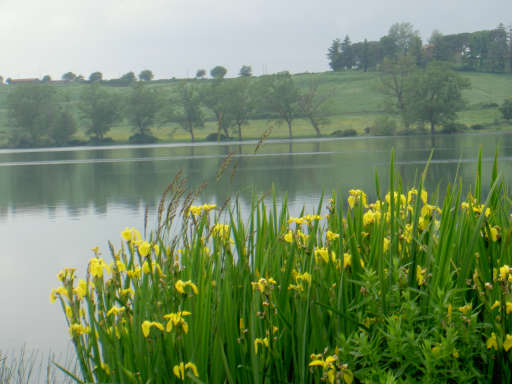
55,205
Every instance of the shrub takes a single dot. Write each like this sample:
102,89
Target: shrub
477,127
142,138
454,127
383,126
344,132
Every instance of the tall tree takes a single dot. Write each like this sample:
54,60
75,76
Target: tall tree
32,110
201,73
334,55
279,95
128,78
314,106
189,114
506,109
395,85
241,104
347,53
217,97
403,37
63,127
146,75
100,109
436,94
142,108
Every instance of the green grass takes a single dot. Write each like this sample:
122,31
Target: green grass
356,103
405,289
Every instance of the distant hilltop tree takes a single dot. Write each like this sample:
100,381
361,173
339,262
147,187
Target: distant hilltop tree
95,76
218,72
245,71
128,78
1,80
201,73
146,75
46,79
68,76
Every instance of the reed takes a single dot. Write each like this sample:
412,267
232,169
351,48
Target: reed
403,289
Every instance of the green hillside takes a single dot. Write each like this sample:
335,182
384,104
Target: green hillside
356,103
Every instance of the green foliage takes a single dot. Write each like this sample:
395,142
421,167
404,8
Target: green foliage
218,97
46,79
218,72
128,78
63,128
279,95
95,76
506,109
188,114
315,107
201,73
100,109
146,75
69,76
32,109
383,126
436,94
403,289
245,71
142,108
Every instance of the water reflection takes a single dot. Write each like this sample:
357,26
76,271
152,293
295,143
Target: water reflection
56,205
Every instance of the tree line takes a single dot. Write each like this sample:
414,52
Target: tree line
40,114
484,51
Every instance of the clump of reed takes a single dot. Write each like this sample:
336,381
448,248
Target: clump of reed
402,289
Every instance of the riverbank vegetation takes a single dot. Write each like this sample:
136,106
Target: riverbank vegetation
410,287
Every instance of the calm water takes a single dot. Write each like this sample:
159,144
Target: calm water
55,205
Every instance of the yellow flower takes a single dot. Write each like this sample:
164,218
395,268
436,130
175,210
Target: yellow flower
131,235
508,343
181,285
494,233
263,342
96,267
262,283
115,311
495,305
69,312
419,275
504,271
221,231
465,309
356,196
288,237
177,320
331,236
126,292
385,244
323,253
120,266
179,370
78,329
371,217
303,277
508,307
134,273
492,342
145,267
347,260
146,326
196,210
144,248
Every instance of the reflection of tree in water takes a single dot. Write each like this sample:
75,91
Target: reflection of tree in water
300,169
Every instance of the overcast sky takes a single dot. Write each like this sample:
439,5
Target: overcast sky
177,37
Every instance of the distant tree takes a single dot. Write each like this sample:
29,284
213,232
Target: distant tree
395,85
201,73
146,75
100,109
218,98
142,108
314,106
506,109
69,76
245,71
80,78
189,114
436,94
403,36
242,102
31,110
365,56
218,72
347,53
498,50
279,95
63,128
1,80
46,79
128,78
334,55
8,80
95,76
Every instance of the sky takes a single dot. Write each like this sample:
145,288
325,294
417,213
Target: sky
175,38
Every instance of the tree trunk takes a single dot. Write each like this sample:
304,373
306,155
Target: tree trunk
315,126
289,128
240,132
192,134
432,127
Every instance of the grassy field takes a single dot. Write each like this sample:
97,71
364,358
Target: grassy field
356,103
